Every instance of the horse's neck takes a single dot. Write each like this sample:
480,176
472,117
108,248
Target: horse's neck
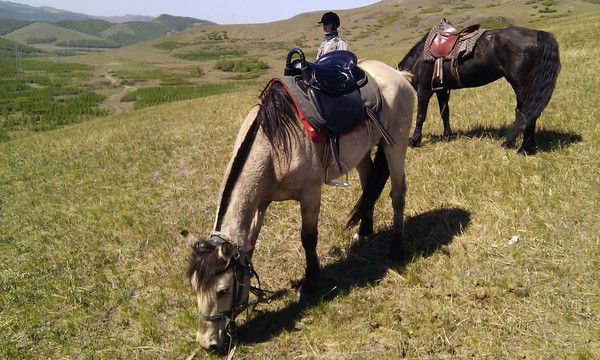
247,194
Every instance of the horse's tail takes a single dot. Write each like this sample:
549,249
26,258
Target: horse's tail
543,77
374,185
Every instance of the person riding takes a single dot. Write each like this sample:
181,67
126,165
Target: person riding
331,22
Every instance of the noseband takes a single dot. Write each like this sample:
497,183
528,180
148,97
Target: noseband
239,267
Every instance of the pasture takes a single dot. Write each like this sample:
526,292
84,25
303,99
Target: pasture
92,266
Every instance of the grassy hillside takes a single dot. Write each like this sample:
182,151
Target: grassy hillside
92,27
91,264
10,25
8,49
39,29
385,31
180,23
134,32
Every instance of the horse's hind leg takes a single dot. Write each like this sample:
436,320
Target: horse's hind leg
365,227
310,202
528,146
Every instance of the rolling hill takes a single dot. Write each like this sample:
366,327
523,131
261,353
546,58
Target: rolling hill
21,22
12,10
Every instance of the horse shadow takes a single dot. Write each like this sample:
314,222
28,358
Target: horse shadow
545,140
424,235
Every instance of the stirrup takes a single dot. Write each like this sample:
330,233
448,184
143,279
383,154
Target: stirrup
335,183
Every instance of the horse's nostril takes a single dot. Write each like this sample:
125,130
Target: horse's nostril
213,347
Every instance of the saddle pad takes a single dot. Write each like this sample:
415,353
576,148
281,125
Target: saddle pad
309,115
464,45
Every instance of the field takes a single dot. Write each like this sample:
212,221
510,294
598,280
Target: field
92,266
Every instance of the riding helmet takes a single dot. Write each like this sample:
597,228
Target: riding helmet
330,18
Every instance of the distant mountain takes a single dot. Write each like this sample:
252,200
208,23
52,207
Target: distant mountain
180,23
124,18
11,10
24,23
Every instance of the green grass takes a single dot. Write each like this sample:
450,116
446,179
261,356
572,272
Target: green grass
42,96
151,96
203,55
88,43
40,40
245,65
91,264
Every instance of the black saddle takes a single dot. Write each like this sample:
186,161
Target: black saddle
332,84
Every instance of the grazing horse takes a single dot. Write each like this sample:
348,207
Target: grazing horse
528,59
275,160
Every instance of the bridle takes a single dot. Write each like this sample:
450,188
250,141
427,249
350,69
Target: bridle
242,268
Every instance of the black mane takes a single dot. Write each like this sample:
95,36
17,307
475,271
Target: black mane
413,55
277,117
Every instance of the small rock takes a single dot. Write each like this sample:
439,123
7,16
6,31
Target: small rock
513,240
374,324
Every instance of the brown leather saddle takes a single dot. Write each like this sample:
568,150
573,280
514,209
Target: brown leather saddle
447,36
332,84
443,41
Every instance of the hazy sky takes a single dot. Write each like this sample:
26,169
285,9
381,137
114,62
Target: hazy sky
219,11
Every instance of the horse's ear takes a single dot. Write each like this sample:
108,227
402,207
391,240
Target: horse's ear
225,251
191,239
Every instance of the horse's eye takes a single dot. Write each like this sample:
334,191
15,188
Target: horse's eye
222,292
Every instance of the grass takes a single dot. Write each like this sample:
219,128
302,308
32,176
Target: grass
91,265
151,96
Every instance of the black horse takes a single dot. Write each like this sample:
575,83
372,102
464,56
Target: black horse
528,59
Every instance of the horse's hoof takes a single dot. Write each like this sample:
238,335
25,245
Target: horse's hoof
508,144
523,151
304,297
414,143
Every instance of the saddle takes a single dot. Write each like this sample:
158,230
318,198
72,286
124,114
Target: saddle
445,42
332,85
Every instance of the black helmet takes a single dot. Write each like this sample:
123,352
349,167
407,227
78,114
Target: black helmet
330,18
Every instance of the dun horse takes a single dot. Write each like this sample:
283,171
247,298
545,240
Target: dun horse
275,160
528,59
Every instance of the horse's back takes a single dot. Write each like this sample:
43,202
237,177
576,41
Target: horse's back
396,90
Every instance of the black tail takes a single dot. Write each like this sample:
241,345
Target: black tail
375,183
543,77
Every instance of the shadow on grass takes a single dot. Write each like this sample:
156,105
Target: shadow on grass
546,140
364,264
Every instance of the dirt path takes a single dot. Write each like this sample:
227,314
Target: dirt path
114,101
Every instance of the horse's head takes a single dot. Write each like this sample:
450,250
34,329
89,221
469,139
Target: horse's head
219,273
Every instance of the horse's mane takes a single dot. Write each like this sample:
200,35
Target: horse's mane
277,118
206,263
413,54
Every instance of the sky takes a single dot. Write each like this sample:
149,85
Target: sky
219,11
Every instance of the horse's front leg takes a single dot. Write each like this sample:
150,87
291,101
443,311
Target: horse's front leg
423,96
443,97
395,161
310,203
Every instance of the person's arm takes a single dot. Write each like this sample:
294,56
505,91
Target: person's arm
342,45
